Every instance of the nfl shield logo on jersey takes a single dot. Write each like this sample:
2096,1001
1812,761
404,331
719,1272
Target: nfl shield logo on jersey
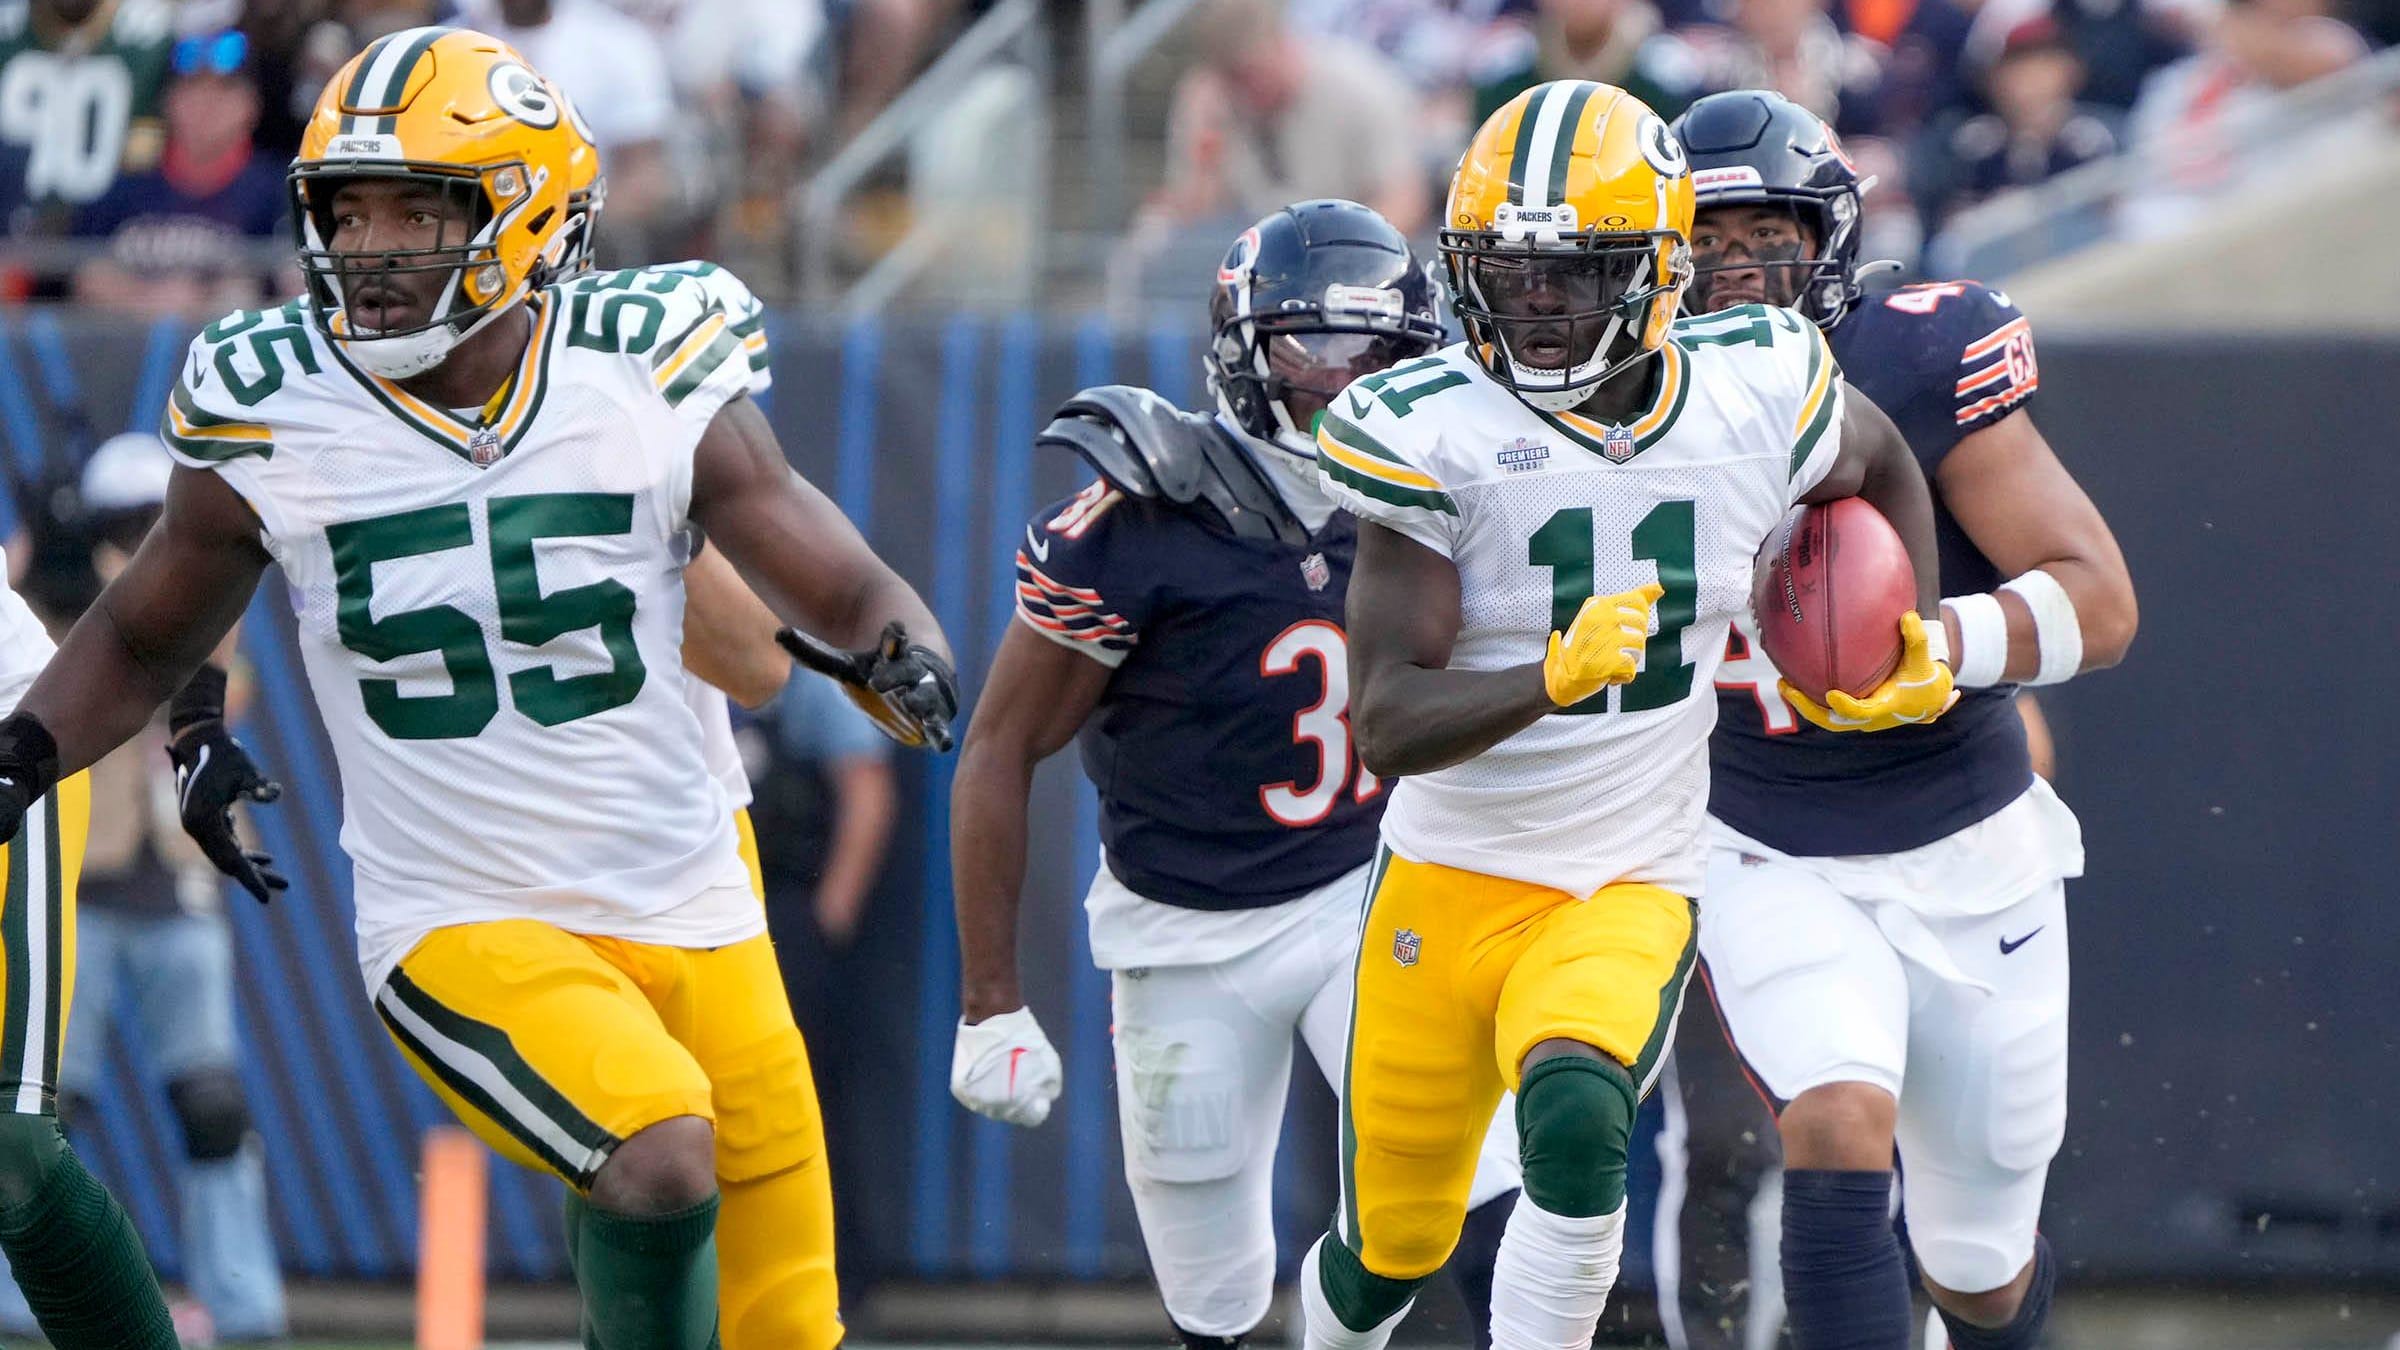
1618,444
1315,571
1406,945
484,449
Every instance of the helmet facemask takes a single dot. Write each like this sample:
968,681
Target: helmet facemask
1552,318
1815,275
478,205
1274,372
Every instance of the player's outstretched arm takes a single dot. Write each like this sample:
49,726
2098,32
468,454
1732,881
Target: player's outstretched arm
792,544
2027,514
1876,466
138,642
1039,694
1410,712
1002,1065
153,626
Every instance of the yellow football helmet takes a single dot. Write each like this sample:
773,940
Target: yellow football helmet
587,192
464,112
1567,238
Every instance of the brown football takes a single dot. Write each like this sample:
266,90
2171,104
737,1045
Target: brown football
1828,592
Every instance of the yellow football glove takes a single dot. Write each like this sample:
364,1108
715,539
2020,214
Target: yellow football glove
1602,647
1919,691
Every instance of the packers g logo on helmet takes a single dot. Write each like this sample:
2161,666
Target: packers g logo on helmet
523,95
463,113
1568,239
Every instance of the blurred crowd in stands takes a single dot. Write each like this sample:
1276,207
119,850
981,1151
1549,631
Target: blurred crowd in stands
1943,102
142,141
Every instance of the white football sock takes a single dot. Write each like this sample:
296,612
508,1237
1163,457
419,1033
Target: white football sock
1553,1278
1325,1331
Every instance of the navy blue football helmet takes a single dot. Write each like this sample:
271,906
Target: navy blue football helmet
1753,147
1312,297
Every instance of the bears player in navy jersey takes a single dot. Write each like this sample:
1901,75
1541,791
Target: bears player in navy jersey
1181,619
1885,933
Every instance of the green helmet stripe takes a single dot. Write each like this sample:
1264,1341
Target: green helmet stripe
1564,152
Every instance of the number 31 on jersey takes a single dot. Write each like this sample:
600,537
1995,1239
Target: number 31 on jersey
1324,725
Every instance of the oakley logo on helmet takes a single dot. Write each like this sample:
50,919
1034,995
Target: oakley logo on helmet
1660,147
522,95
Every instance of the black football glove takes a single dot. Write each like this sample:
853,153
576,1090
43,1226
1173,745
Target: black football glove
907,690
28,768
212,772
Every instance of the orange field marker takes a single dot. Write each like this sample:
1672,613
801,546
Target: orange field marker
450,1221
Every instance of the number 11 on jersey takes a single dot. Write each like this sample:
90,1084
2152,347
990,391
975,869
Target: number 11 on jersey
1667,536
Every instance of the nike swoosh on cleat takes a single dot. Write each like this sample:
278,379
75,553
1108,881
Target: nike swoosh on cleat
1013,1057
2007,946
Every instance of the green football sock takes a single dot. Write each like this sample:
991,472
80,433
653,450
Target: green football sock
577,1207
75,1254
649,1283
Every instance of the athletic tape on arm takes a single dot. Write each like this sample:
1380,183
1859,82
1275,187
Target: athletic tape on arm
2057,629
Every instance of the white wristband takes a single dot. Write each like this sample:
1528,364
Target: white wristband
2057,628
1937,639
1982,654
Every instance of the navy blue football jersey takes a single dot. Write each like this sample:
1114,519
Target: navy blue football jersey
1943,360
1221,746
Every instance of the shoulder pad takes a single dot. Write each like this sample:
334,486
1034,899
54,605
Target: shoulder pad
674,324
222,404
1149,448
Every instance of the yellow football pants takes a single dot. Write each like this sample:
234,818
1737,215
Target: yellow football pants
1459,974
37,942
554,1047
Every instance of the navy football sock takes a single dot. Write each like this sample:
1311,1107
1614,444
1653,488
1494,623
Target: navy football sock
1471,1261
1843,1286
2024,1330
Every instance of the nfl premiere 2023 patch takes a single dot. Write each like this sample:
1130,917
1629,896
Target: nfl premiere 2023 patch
1523,454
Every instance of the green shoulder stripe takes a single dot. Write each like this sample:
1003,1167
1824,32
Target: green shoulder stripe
1806,445
1355,437
1391,494
696,372
197,417
755,326
201,434
660,352
214,451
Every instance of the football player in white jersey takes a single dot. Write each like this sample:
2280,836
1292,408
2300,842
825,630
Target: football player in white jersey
1557,523
480,488
72,1249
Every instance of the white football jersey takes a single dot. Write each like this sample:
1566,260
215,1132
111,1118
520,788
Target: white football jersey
492,616
1541,510
25,647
